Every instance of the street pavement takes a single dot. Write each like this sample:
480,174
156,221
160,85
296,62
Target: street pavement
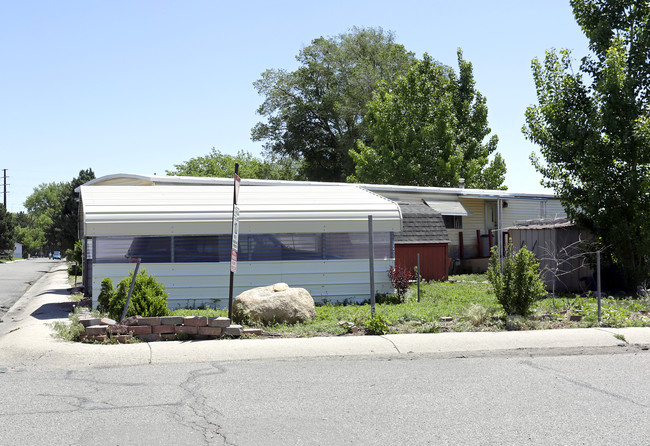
26,339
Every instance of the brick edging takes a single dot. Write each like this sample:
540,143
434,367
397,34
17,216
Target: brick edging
163,328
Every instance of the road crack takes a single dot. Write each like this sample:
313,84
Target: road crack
584,384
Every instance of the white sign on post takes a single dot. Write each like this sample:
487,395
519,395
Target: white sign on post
235,239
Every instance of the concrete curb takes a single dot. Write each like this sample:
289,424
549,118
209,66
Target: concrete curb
25,338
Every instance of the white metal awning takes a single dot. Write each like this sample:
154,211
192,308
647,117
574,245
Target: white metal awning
167,210
449,207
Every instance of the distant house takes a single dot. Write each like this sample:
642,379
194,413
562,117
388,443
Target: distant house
475,219
18,250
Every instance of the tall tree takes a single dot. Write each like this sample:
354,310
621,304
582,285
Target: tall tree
6,233
429,128
592,127
315,113
66,223
217,164
44,205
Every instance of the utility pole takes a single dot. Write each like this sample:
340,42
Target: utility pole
5,188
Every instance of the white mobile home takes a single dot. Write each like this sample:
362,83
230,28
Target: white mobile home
307,235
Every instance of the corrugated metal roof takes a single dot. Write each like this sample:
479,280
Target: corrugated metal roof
383,189
190,209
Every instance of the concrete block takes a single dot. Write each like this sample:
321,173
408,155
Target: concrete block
186,329
141,329
149,321
149,337
132,321
167,328
252,331
88,321
210,331
123,339
171,320
106,321
118,329
96,330
195,321
222,322
233,330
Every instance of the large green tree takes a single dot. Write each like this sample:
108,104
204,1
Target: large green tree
429,128
316,113
45,205
217,164
66,223
6,233
592,128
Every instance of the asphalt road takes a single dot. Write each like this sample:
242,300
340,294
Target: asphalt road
494,400
17,277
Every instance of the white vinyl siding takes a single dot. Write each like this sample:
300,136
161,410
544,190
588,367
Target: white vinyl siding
195,284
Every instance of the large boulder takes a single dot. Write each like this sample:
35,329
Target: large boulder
274,303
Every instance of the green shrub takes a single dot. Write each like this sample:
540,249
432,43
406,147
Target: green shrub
149,297
106,294
376,325
518,284
69,331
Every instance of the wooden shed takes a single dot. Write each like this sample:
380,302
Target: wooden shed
423,232
560,247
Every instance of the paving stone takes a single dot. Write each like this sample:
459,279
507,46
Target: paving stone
106,321
252,331
222,322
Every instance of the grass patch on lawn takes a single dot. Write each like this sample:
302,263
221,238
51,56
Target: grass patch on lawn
465,303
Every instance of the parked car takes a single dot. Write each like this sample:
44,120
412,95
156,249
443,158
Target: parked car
56,255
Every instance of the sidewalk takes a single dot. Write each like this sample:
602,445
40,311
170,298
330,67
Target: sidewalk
25,339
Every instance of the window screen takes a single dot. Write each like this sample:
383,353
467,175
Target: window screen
252,247
202,248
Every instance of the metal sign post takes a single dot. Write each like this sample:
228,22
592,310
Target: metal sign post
371,255
234,237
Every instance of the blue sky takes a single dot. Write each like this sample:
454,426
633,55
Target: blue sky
138,86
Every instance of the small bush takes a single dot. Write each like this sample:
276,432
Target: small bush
401,279
376,325
106,294
518,285
149,297
69,331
